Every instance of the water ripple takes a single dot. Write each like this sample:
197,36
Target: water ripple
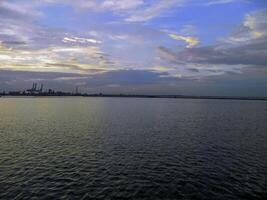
79,148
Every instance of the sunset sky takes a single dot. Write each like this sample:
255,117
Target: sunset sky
199,47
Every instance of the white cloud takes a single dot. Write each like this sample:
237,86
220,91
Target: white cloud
188,29
119,37
253,27
129,10
216,2
121,5
5,57
20,8
192,41
80,40
257,23
153,10
73,59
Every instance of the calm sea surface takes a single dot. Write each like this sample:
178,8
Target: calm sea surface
128,148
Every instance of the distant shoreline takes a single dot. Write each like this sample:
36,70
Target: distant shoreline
144,96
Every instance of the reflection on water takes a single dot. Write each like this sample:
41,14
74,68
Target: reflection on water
112,148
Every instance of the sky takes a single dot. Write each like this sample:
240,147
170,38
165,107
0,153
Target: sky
189,47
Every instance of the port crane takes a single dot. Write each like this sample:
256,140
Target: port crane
34,89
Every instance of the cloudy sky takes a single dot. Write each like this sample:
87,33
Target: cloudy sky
199,47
